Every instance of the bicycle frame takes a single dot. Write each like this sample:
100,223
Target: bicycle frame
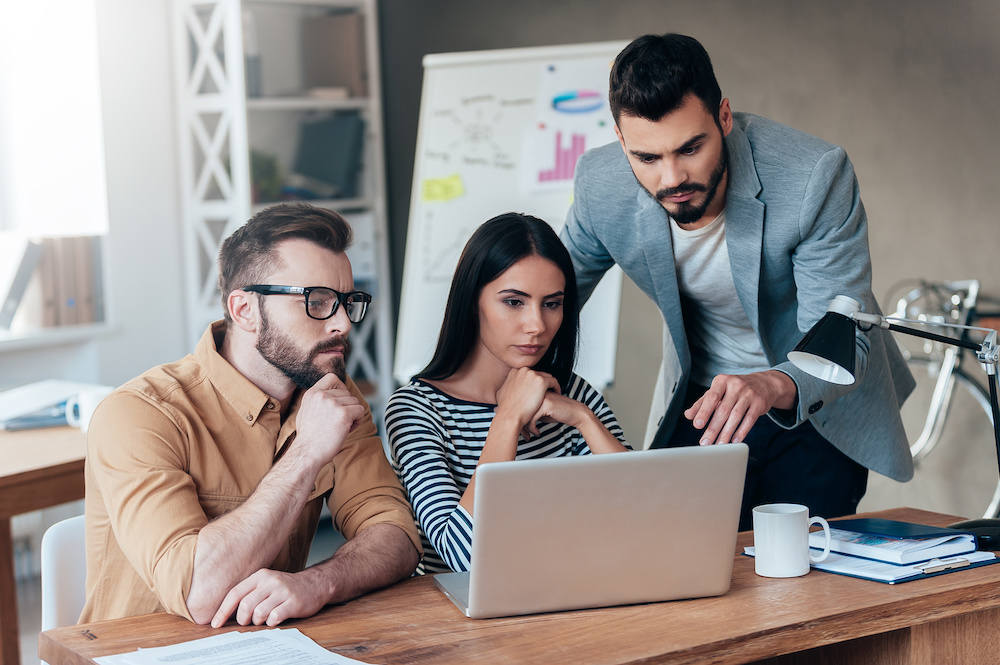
962,311
945,382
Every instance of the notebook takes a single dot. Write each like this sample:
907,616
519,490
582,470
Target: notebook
600,530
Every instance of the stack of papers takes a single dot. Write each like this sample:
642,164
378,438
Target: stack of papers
891,551
893,573
894,542
271,647
890,573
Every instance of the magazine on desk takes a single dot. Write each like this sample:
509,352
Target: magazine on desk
894,542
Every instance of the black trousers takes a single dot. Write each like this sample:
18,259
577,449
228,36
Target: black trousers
788,466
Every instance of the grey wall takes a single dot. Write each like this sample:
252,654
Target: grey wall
908,87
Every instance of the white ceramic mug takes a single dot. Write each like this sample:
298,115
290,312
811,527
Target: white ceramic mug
781,540
80,407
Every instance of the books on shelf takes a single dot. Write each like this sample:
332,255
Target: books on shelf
18,259
69,283
894,542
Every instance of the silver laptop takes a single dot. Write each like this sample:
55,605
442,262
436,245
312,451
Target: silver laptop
617,529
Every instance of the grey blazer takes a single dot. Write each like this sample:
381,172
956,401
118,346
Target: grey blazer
797,237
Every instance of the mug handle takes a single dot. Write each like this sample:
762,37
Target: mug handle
72,411
829,539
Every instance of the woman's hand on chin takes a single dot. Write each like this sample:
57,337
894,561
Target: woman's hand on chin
521,396
556,407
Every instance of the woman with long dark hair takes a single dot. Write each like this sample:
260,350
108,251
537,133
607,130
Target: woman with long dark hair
500,385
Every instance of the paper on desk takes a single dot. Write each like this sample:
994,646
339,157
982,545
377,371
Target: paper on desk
36,396
266,647
890,572
881,571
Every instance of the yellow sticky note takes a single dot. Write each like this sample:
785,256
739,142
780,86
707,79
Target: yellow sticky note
443,189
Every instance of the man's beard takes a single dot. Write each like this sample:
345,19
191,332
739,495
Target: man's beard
279,350
687,212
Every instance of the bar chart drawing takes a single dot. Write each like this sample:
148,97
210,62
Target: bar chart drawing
565,158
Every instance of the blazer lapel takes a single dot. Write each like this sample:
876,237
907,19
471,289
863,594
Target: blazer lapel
744,224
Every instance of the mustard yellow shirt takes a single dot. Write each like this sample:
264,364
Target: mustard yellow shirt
187,442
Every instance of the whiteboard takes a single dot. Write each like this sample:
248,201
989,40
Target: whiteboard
499,131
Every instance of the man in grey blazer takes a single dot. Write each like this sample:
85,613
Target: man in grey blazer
742,231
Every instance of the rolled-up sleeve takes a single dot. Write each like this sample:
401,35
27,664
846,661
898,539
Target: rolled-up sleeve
140,466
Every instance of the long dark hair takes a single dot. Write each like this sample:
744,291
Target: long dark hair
495,246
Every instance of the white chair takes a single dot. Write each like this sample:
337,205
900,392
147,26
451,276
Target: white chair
64,573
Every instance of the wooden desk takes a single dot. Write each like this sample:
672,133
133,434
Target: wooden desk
820,618
40,468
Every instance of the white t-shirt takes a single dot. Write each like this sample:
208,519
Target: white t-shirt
720,336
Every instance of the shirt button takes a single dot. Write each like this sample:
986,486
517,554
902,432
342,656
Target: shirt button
270,405
249,417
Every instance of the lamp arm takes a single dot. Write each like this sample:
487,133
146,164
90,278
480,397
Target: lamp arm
931,336
888,324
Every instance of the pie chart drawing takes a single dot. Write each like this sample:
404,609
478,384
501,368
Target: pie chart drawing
578,101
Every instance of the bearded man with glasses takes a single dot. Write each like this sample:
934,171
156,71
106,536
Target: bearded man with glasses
206,477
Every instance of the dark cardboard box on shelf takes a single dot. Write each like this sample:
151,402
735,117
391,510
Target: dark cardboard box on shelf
333,52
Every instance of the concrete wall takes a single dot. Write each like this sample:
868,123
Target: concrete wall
908,87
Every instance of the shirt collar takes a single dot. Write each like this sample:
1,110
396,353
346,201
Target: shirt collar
245,398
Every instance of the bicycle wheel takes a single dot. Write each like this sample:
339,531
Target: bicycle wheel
956,473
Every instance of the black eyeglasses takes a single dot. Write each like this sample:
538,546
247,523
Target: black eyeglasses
321,302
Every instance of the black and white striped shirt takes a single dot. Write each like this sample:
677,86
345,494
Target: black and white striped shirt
436,441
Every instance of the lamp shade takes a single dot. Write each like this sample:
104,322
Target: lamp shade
827,351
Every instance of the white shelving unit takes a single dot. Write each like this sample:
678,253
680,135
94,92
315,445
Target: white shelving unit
222,130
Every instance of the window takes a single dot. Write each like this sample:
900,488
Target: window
52,170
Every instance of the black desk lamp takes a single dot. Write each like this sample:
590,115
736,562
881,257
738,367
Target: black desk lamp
827,352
